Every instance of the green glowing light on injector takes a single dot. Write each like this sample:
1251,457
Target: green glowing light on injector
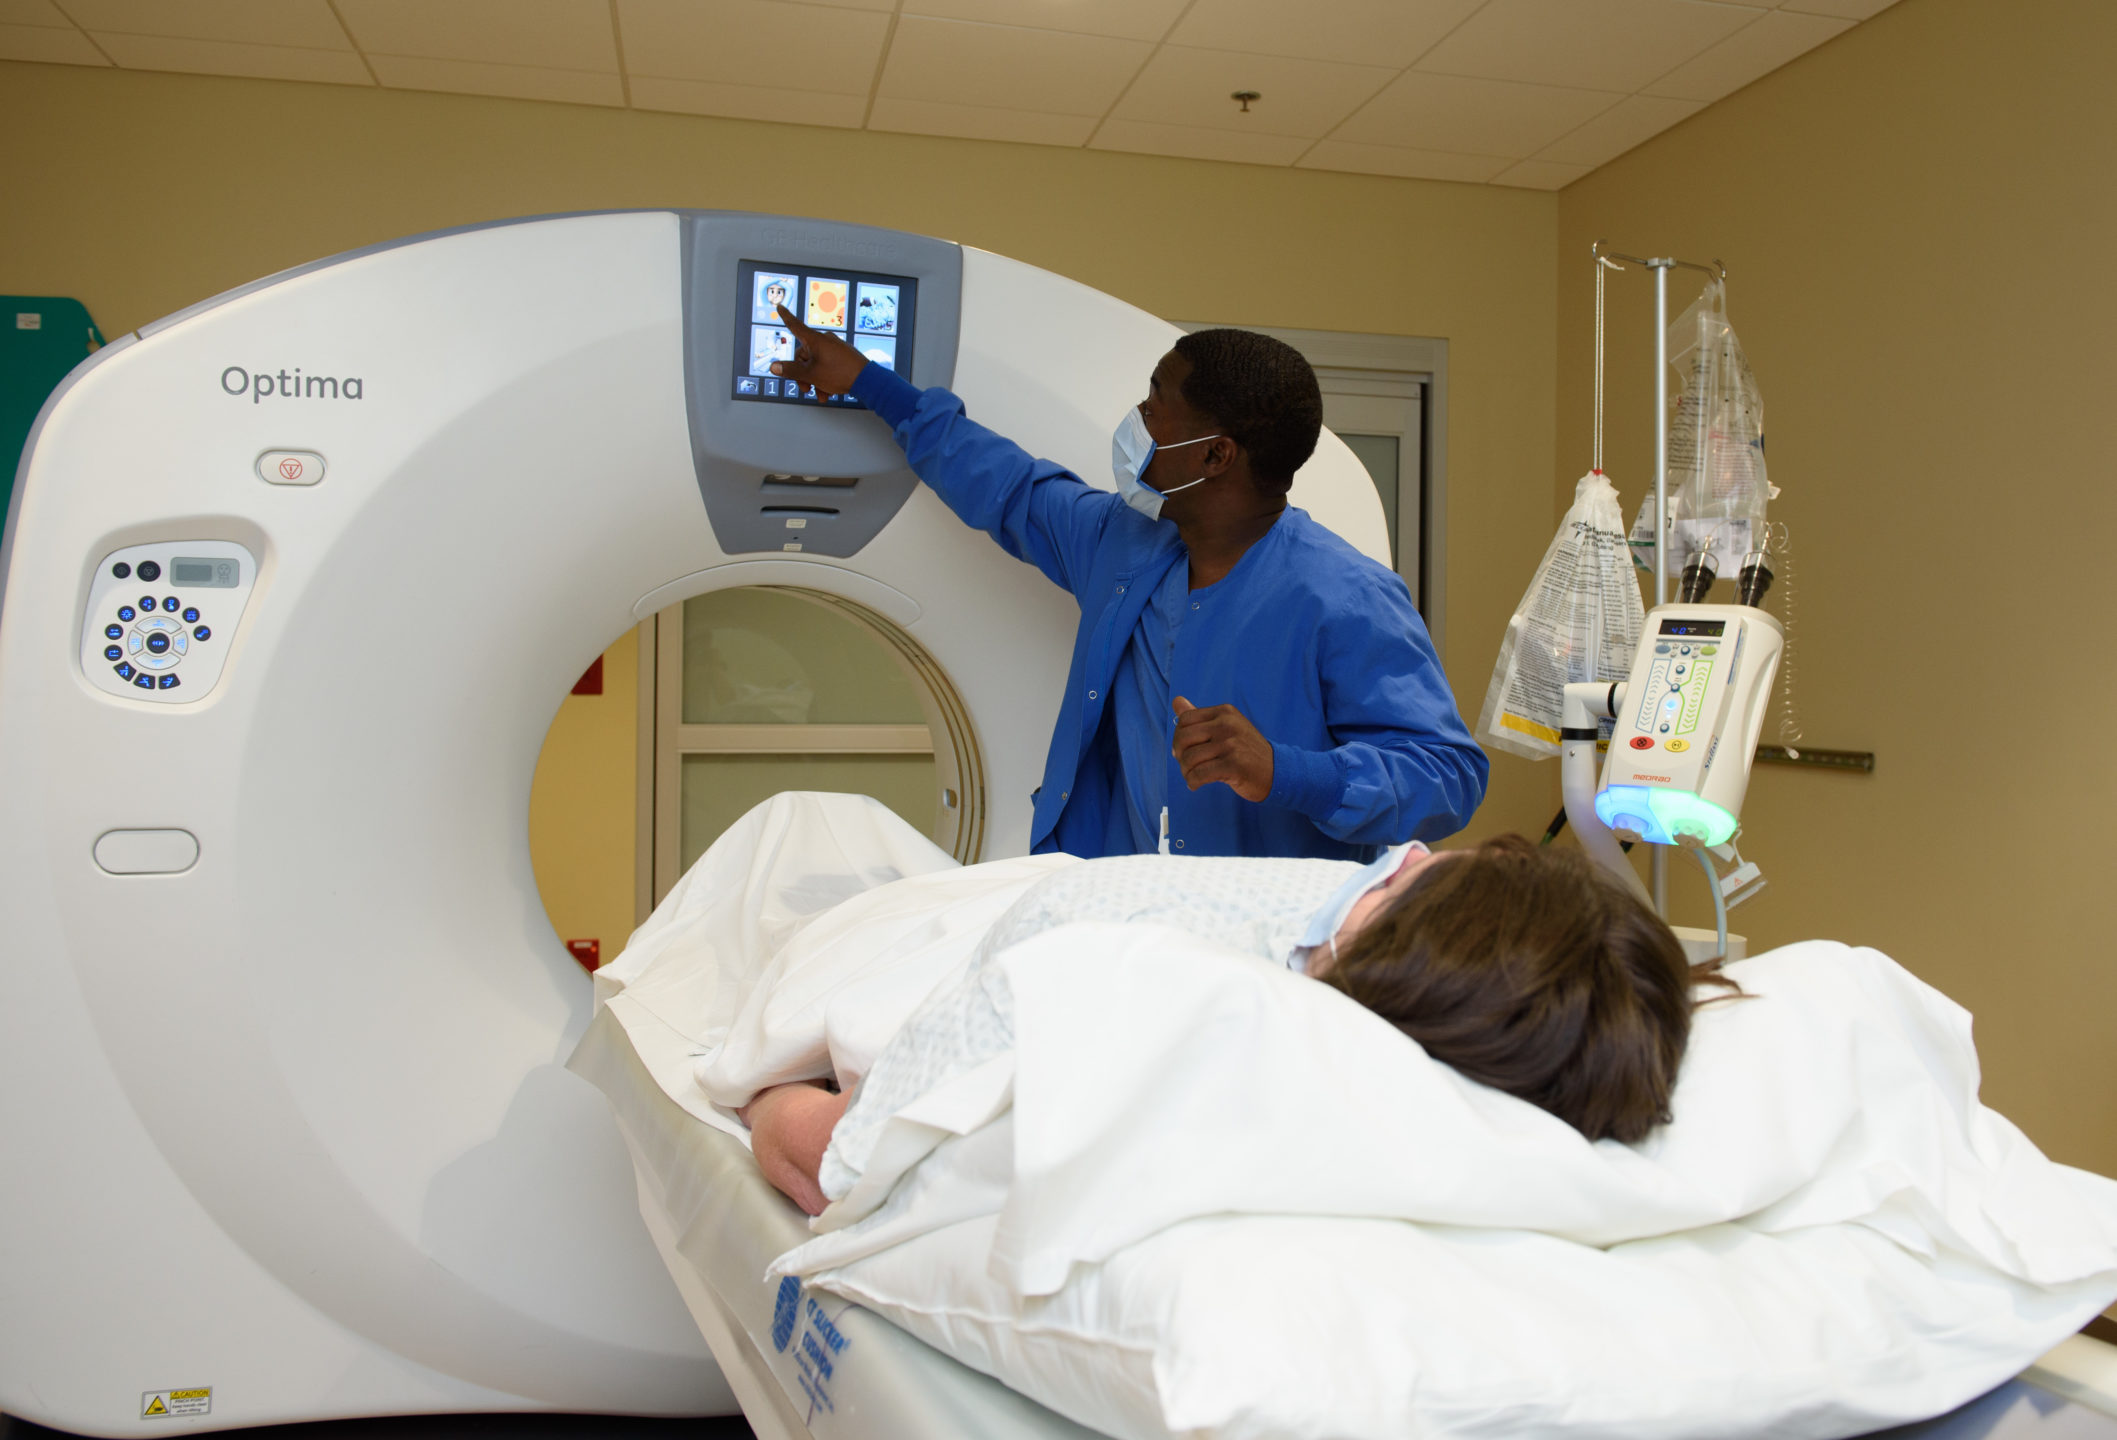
1664,817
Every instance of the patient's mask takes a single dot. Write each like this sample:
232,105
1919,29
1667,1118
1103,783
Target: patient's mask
1323,925
1131,451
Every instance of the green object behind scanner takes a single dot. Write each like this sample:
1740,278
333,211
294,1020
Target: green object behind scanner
41,338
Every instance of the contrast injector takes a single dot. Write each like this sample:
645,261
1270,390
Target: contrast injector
1698,577
1754,578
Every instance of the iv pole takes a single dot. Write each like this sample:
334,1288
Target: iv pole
1661,267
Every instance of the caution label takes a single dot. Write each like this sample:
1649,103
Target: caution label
198,1400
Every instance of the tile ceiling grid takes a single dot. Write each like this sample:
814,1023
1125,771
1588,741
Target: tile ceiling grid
1409,66
624,69
1145,61
339,16
1530,93
874,84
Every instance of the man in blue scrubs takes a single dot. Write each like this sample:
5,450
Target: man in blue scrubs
1236,662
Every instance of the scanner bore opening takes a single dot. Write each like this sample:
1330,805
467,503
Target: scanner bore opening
716,703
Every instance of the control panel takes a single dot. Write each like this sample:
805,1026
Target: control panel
160,617
782,468
1700,683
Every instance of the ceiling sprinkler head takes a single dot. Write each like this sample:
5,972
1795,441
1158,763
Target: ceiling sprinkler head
1244,97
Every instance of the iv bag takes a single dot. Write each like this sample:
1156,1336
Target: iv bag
1716,478
1579,620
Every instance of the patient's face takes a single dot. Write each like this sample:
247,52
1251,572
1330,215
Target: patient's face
1374,901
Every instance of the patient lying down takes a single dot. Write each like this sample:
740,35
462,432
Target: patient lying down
1526,969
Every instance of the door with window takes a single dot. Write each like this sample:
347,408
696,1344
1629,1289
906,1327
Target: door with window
764,689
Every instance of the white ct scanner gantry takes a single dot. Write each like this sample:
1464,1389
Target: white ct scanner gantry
294,582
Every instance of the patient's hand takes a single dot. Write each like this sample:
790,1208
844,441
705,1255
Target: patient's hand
790,1127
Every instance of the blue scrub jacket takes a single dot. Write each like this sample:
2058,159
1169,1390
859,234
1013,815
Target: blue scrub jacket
1319,646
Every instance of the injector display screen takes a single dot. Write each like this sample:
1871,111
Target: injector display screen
1701,629
876,314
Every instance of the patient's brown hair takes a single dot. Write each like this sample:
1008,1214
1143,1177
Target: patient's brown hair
1532,971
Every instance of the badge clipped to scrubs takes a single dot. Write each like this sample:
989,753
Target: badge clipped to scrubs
1131,451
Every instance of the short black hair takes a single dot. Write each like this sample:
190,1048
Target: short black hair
1262,393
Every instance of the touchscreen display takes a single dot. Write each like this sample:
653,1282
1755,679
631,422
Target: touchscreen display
875,313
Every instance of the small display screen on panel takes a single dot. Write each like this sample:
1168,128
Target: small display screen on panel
875,313
220,574
1695,629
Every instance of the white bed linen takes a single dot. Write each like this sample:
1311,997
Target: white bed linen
1312,1229
795,947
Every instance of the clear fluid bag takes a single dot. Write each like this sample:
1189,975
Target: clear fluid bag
1578,621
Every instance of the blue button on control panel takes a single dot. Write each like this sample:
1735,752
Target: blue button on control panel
191,615
203,632
112,632
126,612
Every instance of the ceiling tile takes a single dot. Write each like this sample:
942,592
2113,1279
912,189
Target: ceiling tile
219,57
560,34
1124,19
1196,143
1540,175
1842,9
1369,32
748,102
1472,117
1008,68
753,45
51,46
520,82
1591,44
979,122
1749,54
1631,121
1399,161
1300,97
305,23
33,12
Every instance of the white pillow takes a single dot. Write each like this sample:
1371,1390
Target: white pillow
1296,1327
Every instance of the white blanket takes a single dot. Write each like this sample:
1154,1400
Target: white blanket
1148,1067
1202,1195
1206,1197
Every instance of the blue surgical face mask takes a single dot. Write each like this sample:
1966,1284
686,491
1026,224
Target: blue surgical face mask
1131,451
1323,926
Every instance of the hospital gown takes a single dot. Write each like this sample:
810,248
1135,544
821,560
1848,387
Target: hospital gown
1261,907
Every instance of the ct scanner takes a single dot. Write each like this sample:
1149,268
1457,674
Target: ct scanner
292,584
294,581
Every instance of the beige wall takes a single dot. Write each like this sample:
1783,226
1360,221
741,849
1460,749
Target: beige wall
582,806
1917,220
140,193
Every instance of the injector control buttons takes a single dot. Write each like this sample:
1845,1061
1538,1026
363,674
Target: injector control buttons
165,648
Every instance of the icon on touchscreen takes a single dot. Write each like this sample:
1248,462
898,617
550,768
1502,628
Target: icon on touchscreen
882,349
876,312
769,291
769,343
827,300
